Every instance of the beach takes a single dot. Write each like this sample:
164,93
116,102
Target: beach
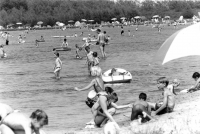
27,81
184,119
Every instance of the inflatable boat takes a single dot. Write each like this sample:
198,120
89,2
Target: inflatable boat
62,49
123,76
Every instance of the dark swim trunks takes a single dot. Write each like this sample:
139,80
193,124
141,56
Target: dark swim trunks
137,113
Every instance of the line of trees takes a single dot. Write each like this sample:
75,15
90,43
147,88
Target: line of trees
50,11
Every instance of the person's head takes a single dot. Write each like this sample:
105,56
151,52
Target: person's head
39,119
76,45
57,54
65,40
87,48
104,32
109,90
98,30
195,76
162,82
143,96
95,54
176,83
114,97
96,71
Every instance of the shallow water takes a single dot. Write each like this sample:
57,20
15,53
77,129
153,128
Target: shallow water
27,81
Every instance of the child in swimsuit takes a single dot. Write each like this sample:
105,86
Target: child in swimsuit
96,59
90,58
77,51
64,44
58,66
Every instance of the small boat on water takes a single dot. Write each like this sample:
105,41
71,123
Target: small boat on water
122,77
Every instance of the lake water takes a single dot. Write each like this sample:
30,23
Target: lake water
27,81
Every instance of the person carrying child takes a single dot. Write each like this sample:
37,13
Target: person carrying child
168,100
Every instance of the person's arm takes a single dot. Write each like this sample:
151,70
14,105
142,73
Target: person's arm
164,103
103,104
122,106
85,88
27,128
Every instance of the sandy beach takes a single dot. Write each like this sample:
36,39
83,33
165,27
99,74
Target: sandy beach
184,120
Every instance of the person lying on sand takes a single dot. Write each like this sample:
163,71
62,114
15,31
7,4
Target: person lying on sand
141,110
196,77
17,122
168,100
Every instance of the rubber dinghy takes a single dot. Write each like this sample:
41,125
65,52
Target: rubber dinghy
123,77
62,49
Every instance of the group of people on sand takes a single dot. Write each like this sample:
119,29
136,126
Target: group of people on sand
103,103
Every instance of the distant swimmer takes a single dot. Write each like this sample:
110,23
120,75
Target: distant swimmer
39,40
58,66
20,38
2,52
65,43
122,30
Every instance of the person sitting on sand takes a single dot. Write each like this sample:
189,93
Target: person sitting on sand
196,77
17,122
174,85
58,66
141,109
77,51
168,100
39,40
65,43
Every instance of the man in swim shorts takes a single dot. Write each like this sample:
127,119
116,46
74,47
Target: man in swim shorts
17,123
141,109
58,66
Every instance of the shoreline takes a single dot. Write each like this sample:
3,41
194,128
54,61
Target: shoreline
184,119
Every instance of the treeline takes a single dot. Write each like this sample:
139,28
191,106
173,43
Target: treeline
50,11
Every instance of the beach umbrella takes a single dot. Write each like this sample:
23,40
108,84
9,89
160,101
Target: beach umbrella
18,23
70,21
83,20
57,22
185,42
156,16
167,17
137,17
122,18
61,24
114,19
39,22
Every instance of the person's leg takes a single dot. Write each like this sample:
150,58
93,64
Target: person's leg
101,48
6,130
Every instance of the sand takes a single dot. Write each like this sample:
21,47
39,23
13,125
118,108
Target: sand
184,120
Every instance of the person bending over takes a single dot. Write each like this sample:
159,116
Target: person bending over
141,109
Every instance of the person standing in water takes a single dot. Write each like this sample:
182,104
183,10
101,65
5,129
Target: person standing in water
101,42
58,66
65,43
